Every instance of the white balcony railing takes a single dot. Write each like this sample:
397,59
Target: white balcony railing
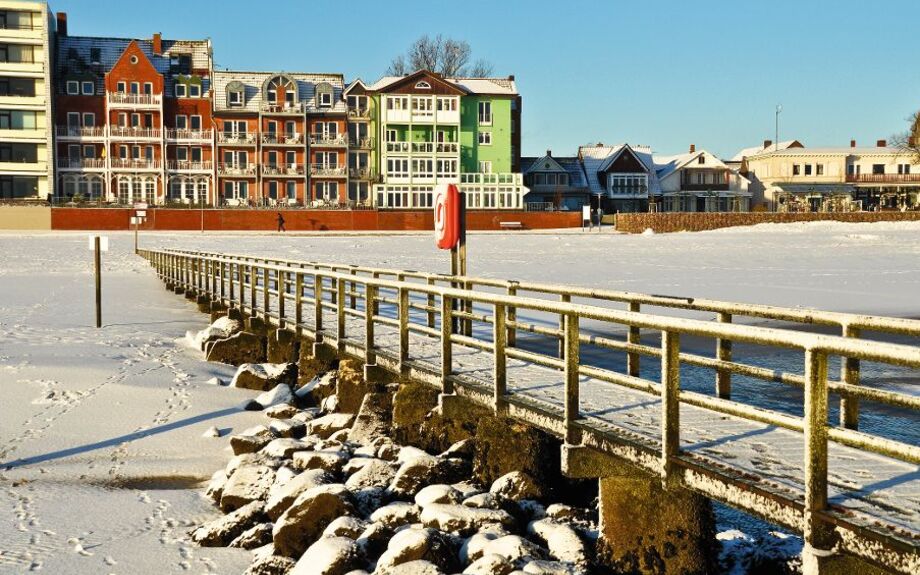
328,140
238,138
490,179
328,171
192,135
135,164
81,163
236,169
282,108
362,173
398,147
359,112
80,132
189,166
282,139
283,170
134,133
363,143
451,148
123,100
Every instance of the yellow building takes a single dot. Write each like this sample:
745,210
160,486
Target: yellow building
26,162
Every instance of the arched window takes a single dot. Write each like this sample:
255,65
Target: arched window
95,187
202,191
149,191
279,90
423,85
124,190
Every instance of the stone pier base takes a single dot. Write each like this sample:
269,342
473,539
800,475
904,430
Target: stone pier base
818,562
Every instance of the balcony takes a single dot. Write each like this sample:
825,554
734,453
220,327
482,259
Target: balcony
188,166
237,138
136,101
452,148
694,187
282,109
481,178
882,178
332,140
189,135
362,173
135,164
282,139
125,133
230,169
283,170
359,112
80,132
81,163
328,171
361,143
398,147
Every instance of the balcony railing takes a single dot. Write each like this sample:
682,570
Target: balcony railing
362,173
505,179
283,170
20,26
398,147
362,143
121,99
78,132
328,171
135,164
328,140
189,166
359,112
196,135
282,108
134,133
882,178
694,187
81,163
238,138
229,169
282,139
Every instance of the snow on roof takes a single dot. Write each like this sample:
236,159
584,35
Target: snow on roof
497,86
841,151
596,158
747,152
75,56
667,165
570,164
253,82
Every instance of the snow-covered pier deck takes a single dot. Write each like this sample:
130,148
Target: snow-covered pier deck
544,359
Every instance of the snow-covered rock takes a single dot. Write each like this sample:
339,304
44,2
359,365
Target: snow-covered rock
437,494
303,522
463,449
483,501
373,540
474,547
278,394
490,565
331,461
419,567
372,473
253,537
211,432
264,376
283,497
345,526
461,519
266,563
397,514
286,447
328,424
221,531
287,427
545,567
248,483
251,440
216,485
515,486
562,541
514,548
221,328
282,411
415,544
328,556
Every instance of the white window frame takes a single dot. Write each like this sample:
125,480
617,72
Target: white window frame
235,99
325,99
73,119
485,166
181,90
89,119
181,154
194,90
422,85
148,88
181,122
73,88
485,138
121,87
193,120
485,113
85,91
89,151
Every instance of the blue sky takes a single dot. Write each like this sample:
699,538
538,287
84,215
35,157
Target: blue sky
665,73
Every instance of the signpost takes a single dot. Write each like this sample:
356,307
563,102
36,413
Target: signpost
586,217
98,244
140,215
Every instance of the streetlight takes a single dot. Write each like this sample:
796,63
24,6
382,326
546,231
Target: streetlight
779,109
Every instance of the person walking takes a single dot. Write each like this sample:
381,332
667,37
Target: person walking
281,223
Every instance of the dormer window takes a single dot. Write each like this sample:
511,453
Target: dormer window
73,88
88,88
422,85
325,99
181,91
272,96
194,91
235,98
95,55
701,159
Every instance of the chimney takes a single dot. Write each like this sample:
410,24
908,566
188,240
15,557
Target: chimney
852,143
549,153
692,148
881,144
62,23
157,44
767,144
511,77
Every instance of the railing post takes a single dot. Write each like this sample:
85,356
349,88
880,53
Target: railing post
447,310
241,273
317,305
373,301
670,401
213,280
340,314
633,337
849,374
724,353
512,316
817,534
252,287
403,328
298,302
430,303
353,289
499,342
266,298
230,283
370,295
281,284
564,298
571,356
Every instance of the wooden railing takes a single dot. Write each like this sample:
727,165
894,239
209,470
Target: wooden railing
439,312
882,178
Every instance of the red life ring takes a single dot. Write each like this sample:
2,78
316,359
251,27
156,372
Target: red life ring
447,216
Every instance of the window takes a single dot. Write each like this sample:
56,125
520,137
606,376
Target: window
235,98
89,119
17,54
272,95
397,102
181,90
15,187
391,136
290,128
182,154
796,169
196,154
73,87
325,99
819,169
123,152
73,119
485,167
122,119
485,138
485,113
328,191
95,54
398,167
290,158
17,87
88,89
878,168
701,159
272,127
148,88
181,122
273,158
447,104
291,186
807,169
422,168
24,153
17,120
194,90
135,87
89,151
273,190
904,169
423,86
195,122
120,87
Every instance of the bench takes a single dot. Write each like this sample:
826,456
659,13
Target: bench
511,225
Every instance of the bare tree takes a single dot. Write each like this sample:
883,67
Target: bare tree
909,141
446,56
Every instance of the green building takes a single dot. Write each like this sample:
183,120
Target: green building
421,130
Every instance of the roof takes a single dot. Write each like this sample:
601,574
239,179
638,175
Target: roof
596,158
840,151
747,152
253,82
667,165
74,55
570,164
494,86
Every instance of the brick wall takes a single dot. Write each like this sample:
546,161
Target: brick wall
297,220
695,222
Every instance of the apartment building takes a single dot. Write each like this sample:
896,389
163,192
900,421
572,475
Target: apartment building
133,119
797,179
26,156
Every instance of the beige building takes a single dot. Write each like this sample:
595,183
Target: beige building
852,178
26,32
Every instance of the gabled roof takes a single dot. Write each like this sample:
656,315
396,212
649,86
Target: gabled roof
597,158
485,86
748,152
394,83
254,81
544,164
569,164
356,84
667,165
74,56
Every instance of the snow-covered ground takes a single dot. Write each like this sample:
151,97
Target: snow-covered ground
101,430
